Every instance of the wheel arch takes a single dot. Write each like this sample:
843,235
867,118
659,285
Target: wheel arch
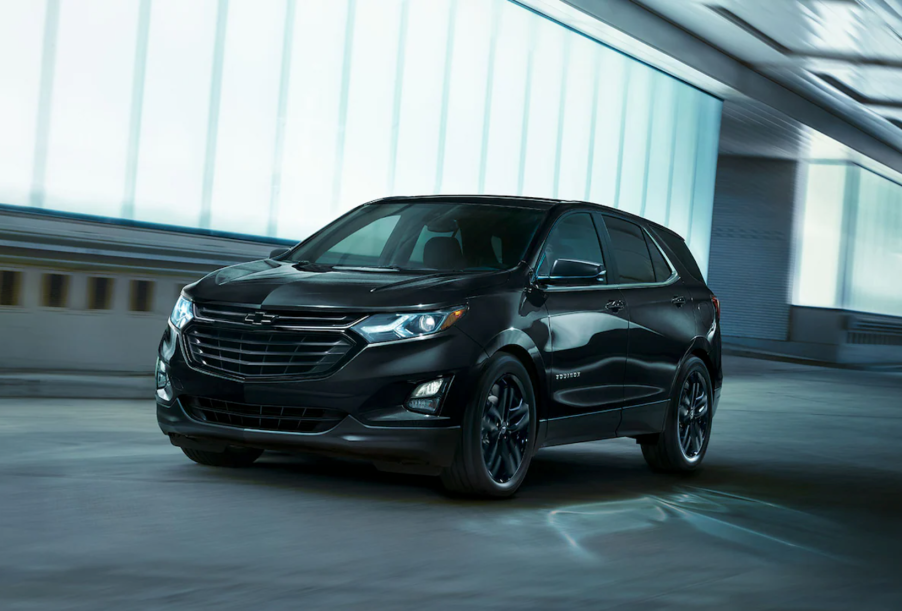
519,345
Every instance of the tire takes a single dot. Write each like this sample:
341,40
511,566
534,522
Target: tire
679,447
495,424
232,457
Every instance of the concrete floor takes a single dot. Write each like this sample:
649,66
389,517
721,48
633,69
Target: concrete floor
798,507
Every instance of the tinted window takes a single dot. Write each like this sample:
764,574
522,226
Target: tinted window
678,246
573,237
426,237
662,270
633,259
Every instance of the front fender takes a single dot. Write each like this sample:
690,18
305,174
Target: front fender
521,345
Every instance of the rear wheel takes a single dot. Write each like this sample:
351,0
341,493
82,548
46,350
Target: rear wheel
683,443
498,432
231,457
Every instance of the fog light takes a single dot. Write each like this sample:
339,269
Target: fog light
426,398
164,386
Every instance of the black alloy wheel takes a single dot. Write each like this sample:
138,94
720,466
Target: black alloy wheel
682,445
505,429
497,433
693,416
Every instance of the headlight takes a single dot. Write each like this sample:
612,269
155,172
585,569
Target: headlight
391,327
182,313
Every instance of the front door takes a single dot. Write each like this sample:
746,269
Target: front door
589,326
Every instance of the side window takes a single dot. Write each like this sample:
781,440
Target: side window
633,258
364,247
662,270
573,237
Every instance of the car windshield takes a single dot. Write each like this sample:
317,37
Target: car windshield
425,236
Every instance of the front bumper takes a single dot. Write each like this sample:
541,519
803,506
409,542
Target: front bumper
369,391
406,445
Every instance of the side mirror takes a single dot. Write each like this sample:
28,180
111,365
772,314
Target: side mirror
278,252
565,271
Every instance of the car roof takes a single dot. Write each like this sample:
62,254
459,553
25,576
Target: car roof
541,203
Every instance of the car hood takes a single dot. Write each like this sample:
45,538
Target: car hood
274,285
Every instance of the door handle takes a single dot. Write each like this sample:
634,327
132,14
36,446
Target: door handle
614,305
678,301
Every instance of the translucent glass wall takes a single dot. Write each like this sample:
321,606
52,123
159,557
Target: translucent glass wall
272,118
849,247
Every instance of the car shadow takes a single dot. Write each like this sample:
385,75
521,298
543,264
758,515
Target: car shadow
596,473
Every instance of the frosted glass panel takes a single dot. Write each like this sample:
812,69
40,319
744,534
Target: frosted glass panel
21,38
876,250
377,98
613,73
466,97
682,185
370,101
91,106
698,237
540,144
635,138
508,101
660,153
174,120
311,127
246,134
421,97
576,135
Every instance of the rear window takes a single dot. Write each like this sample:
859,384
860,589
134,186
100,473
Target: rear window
678,246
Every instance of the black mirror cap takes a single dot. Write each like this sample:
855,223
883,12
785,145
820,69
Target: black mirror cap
572,270
278,252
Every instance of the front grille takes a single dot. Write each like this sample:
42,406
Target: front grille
308,319
266,354
262,417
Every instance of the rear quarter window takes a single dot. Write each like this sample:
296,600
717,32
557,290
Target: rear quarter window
679,248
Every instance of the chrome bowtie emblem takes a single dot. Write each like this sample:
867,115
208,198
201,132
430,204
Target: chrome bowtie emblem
260,318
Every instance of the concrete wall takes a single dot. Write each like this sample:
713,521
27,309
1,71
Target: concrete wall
48,347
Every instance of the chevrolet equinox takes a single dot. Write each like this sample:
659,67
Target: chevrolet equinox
449,335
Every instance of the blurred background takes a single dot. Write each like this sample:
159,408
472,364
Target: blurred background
144,143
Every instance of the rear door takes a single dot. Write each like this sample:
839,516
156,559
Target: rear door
661,324
588,326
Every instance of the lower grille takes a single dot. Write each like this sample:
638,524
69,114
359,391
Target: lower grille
267,354
262,417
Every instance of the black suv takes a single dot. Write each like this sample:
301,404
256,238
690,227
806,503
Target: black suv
451,335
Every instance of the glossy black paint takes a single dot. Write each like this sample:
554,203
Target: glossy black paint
603,357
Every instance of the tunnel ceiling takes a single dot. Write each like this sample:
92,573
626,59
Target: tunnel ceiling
845,55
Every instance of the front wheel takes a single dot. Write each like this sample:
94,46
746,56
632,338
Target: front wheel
687,429
498,432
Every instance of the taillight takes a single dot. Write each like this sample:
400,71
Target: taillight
716,303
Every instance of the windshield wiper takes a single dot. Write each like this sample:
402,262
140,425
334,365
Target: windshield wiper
368,268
